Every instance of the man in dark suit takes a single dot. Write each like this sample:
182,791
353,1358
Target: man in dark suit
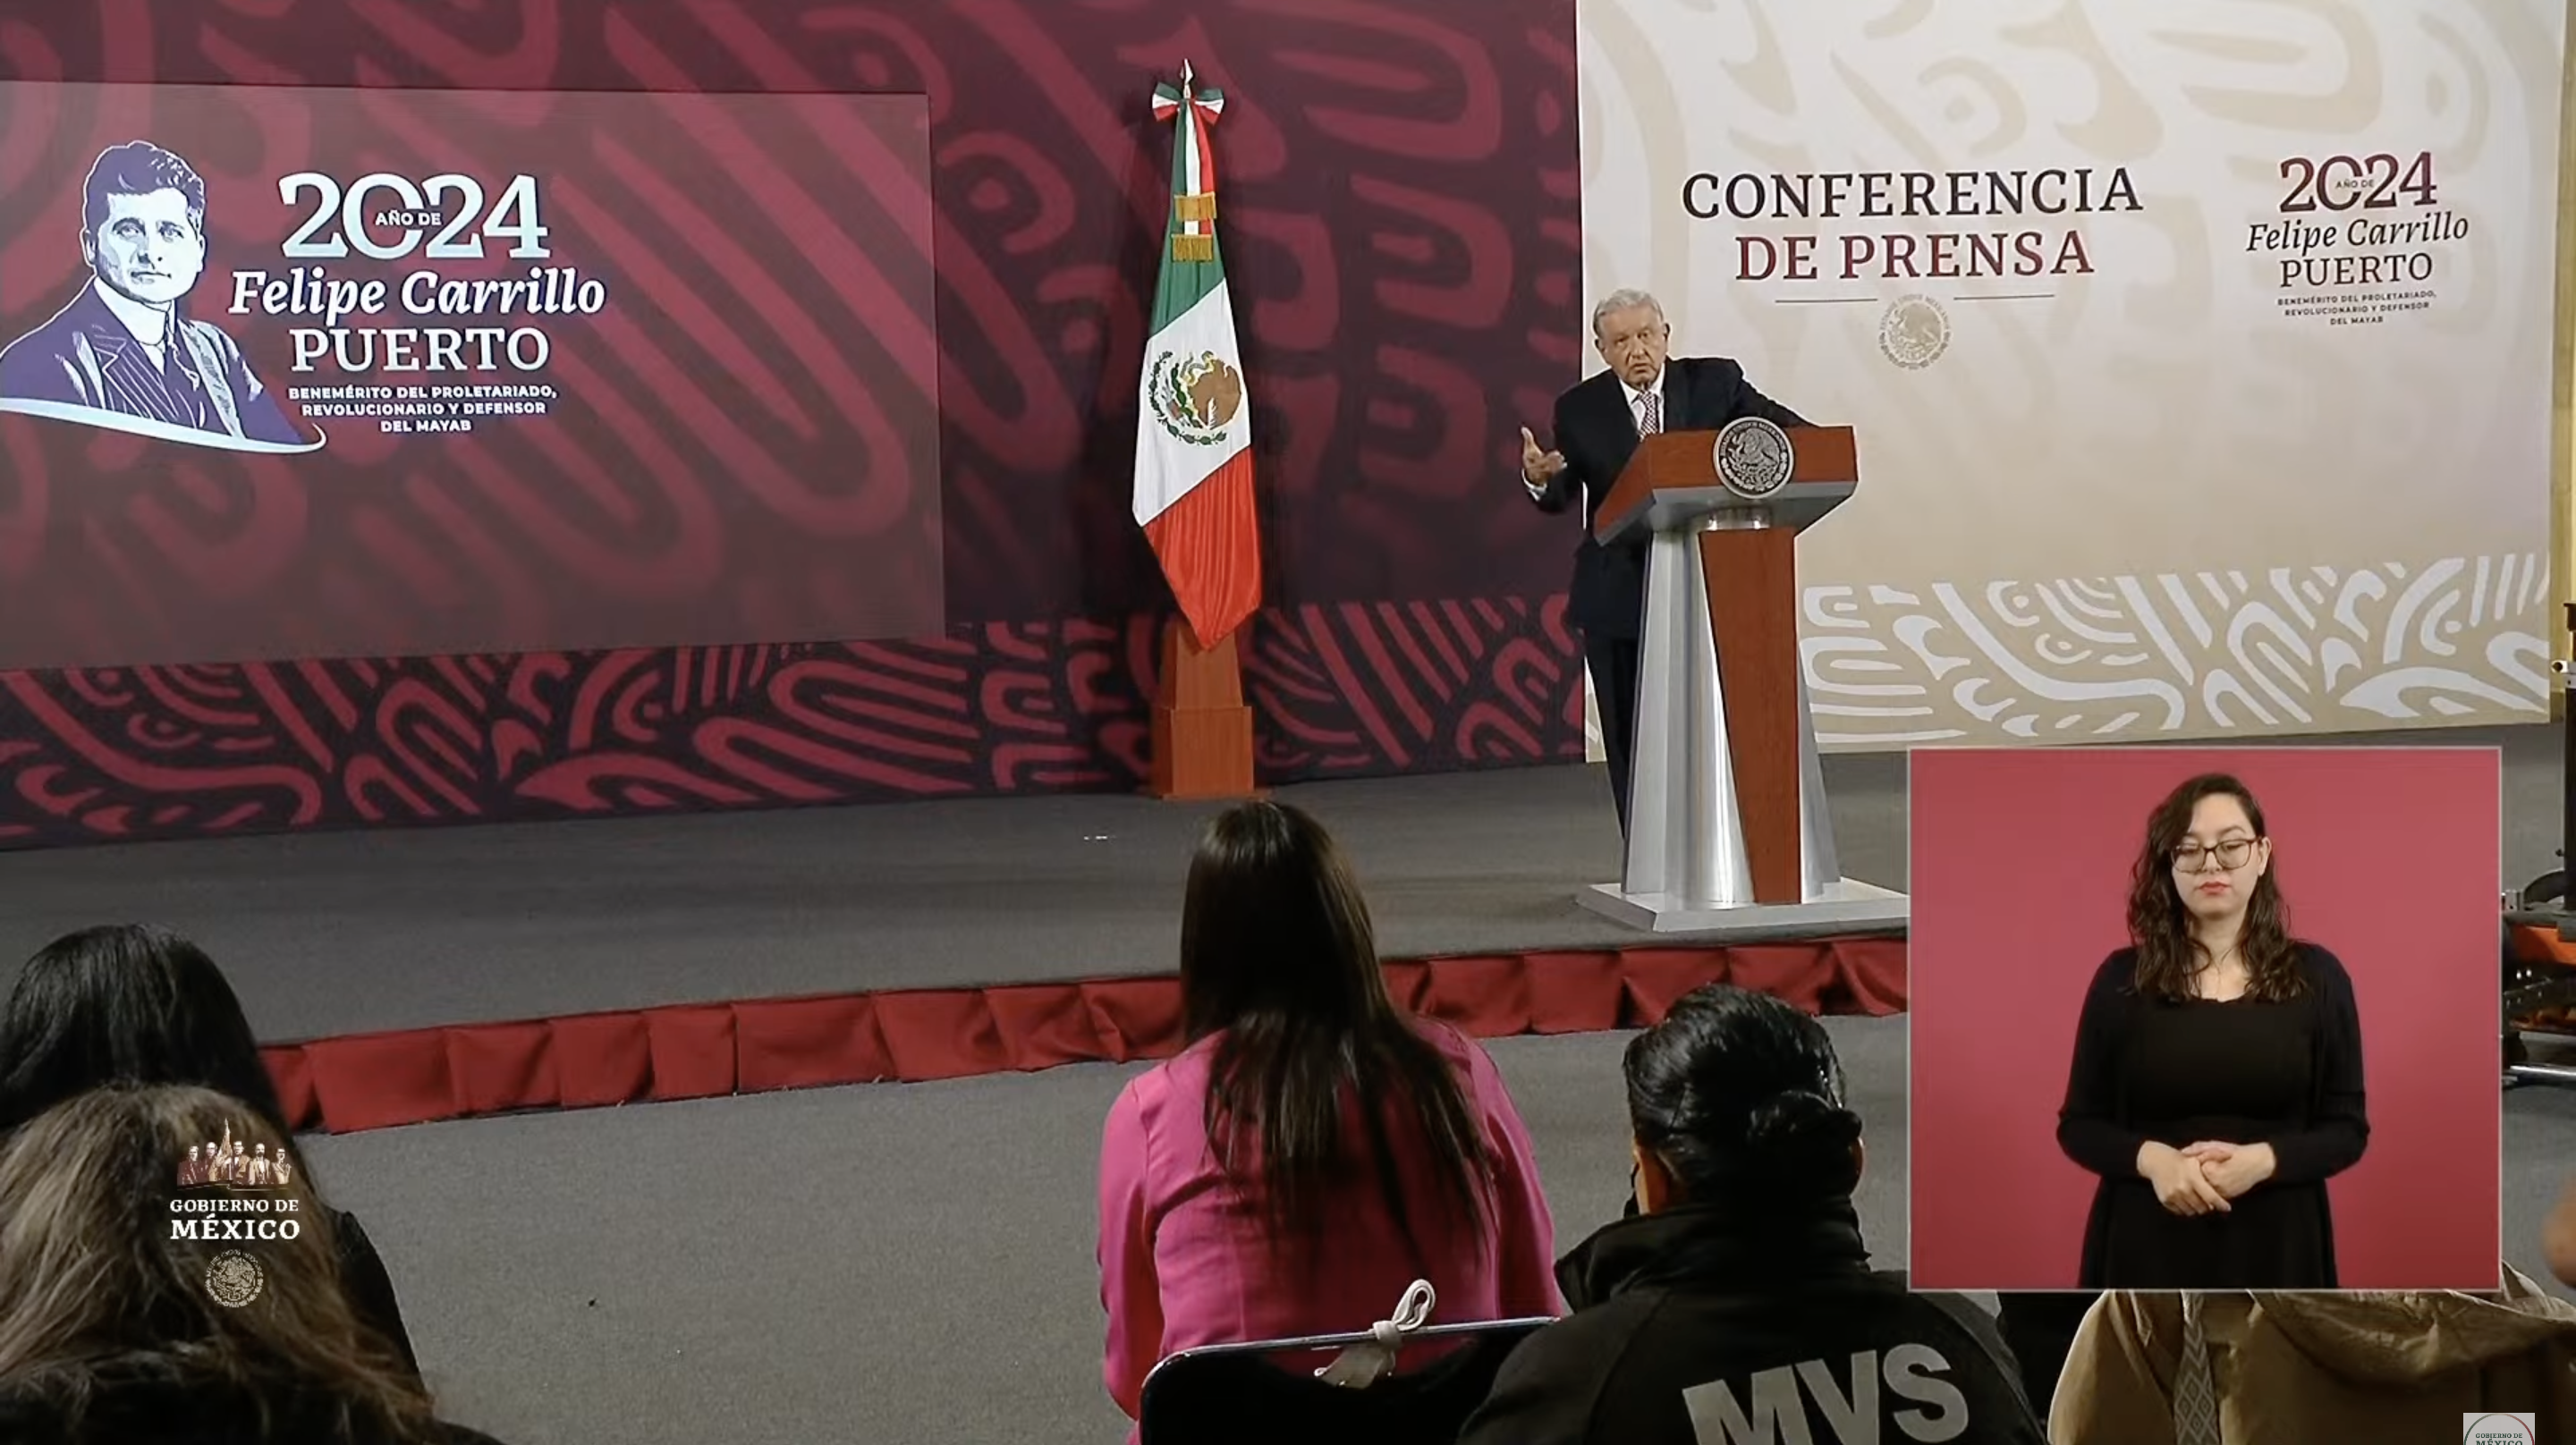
125,354
1597,426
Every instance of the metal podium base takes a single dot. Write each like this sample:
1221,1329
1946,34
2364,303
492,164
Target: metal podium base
1848,906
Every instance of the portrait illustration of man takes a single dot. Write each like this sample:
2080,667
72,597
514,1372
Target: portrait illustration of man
124,354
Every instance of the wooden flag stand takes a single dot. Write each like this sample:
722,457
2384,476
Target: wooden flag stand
1202,736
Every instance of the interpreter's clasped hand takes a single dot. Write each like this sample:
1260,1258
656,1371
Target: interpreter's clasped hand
2231,1169
2180,1185
1538,467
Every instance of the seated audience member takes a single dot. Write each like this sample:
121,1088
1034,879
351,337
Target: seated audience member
1738,1303
1314,1149
2558,1237
2313,1366
128,1004
111,1327
2039,1327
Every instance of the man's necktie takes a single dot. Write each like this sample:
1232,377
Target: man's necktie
187,398
2195,1403
1654,421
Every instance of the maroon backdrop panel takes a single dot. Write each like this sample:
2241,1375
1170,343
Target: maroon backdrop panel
1403,237
473,371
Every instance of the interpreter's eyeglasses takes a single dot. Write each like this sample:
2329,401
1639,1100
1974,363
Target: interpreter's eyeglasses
2230,852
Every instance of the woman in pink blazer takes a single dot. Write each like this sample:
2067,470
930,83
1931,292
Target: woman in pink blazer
1315,1149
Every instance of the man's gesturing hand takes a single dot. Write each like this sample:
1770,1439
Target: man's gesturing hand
1538,468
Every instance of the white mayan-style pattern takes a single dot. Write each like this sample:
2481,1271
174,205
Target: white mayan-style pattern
2175,655
2181,654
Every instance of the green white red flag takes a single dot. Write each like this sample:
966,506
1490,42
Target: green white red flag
1194,416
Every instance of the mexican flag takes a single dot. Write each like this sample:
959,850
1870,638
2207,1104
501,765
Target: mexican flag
1193,419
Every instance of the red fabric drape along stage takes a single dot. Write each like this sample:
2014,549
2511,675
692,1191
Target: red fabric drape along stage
696,1051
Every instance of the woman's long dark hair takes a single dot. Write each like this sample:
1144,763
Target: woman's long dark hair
102,1298
1279,960
2160,927
1742,1097
125,1004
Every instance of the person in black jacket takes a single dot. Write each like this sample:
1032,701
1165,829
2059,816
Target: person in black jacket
126,1320
1738,1303
1597,427
2040,1326
130,1004
2217,1078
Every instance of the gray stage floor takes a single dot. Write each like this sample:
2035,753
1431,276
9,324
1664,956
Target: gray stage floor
354,932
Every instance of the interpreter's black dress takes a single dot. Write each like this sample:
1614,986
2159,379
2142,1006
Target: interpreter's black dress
2241,1072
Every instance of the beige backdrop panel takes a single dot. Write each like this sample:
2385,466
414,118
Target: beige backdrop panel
2178,495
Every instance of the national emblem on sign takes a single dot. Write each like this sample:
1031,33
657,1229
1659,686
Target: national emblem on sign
1914,332
1195,398
234,1279
1754,457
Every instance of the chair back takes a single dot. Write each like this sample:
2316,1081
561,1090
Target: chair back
1242,1395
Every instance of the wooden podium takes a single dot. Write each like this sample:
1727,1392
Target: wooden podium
1728,828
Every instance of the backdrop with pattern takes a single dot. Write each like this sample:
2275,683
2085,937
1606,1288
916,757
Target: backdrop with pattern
1403,235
